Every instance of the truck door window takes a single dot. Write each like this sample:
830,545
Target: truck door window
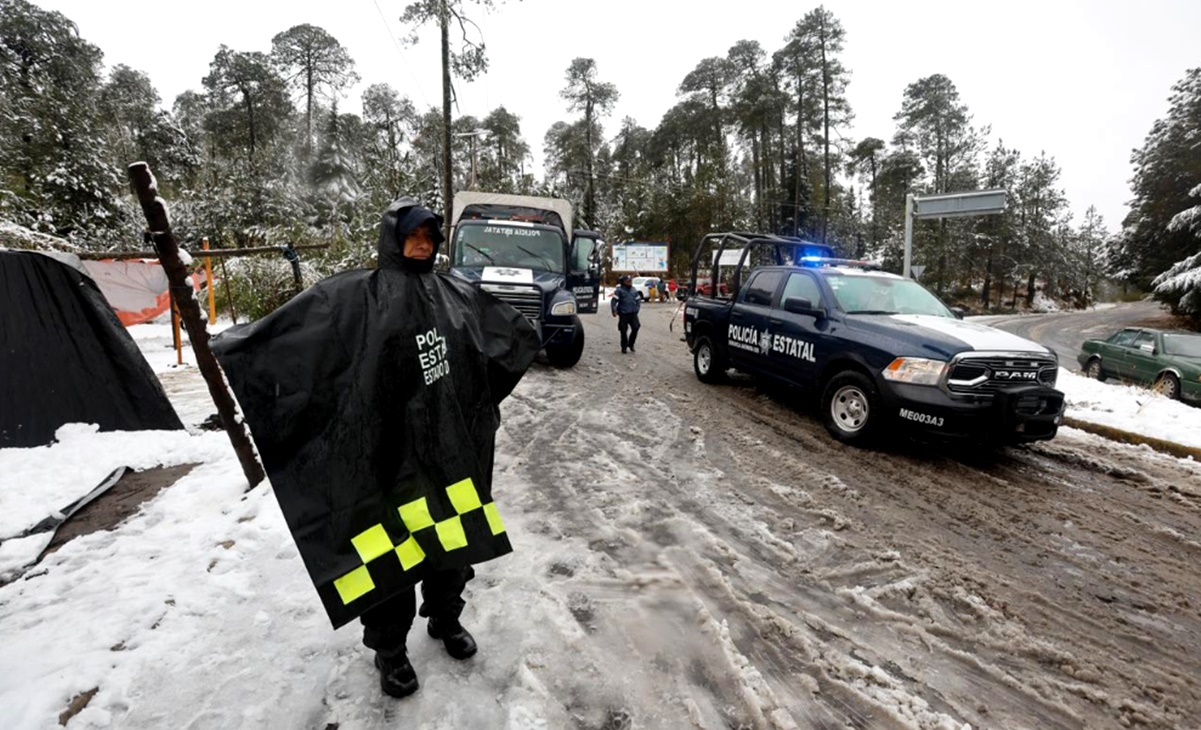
582,256
762,287
1144,338
802,286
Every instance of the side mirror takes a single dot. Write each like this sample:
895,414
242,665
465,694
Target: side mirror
802,306
1148,348
958,312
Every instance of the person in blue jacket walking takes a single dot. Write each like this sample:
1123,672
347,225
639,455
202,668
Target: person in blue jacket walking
625,306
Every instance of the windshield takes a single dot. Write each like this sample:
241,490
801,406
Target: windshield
860,294
1183,345
497,244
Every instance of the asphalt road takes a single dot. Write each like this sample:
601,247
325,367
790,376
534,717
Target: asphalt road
1064,332
735,566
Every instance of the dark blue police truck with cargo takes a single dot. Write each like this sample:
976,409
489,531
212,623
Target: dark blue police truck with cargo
524,250
885,355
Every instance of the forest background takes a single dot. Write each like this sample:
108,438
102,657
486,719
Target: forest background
758,140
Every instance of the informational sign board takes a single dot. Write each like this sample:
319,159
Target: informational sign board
729,257
642,258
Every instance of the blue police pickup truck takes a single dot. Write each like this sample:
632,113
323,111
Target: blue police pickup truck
885,355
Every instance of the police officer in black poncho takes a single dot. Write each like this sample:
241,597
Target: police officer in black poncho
373,398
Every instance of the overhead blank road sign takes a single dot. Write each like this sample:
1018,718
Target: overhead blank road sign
947,205
953,205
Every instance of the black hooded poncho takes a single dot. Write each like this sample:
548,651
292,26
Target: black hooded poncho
373,398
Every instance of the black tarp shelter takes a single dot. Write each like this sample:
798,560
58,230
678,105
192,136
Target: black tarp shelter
66,358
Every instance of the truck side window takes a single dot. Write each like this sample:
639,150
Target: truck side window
762,287
1144,338
802,286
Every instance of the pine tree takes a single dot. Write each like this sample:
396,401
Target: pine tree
54,164
584,92
1158,234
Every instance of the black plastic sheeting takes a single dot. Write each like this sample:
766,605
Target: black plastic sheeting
66,358
373,392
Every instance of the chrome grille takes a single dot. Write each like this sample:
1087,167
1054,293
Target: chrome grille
525,299
993,374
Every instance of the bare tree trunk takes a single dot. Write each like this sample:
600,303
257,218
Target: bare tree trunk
189,311
448,195
755,163
308,113
590,190
826,136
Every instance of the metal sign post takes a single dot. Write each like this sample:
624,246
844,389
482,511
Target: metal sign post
948,205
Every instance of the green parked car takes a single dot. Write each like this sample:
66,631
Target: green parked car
1167,360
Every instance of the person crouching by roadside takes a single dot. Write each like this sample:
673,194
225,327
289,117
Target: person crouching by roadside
625,307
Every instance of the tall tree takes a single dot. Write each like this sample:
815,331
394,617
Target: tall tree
467,61
799,64
823,36
391,119
709,83
1166,169
994,237
584,92
1090,242
54,165
936,124
253,180
1040,206
864,161
128,103
333,173
755,103
247,90
505,152
313,61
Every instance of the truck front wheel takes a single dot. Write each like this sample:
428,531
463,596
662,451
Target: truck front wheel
709,365
851,408
566,356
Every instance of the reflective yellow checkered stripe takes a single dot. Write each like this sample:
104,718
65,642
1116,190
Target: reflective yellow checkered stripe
374,542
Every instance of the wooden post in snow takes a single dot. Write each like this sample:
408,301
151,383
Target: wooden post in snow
155,210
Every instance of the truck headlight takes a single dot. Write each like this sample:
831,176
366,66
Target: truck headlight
565,308
915,370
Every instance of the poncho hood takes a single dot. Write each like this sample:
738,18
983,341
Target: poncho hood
400,219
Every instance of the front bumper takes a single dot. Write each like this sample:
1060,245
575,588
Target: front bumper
1015,415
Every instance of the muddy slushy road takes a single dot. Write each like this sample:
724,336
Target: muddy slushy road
779,579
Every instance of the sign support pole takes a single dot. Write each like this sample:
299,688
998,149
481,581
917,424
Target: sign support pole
908,234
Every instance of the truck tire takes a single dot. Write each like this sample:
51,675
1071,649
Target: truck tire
566,356
710,367
1093,370
851,408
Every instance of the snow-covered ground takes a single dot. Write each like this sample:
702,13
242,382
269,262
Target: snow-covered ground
197,612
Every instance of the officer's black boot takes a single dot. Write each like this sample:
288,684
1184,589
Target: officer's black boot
458,642
396,675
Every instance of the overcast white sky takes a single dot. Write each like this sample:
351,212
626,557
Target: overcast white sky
1082,81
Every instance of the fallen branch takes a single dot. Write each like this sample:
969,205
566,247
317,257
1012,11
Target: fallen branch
167,252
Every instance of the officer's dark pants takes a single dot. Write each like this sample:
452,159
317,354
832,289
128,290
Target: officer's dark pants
630,322
386,626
